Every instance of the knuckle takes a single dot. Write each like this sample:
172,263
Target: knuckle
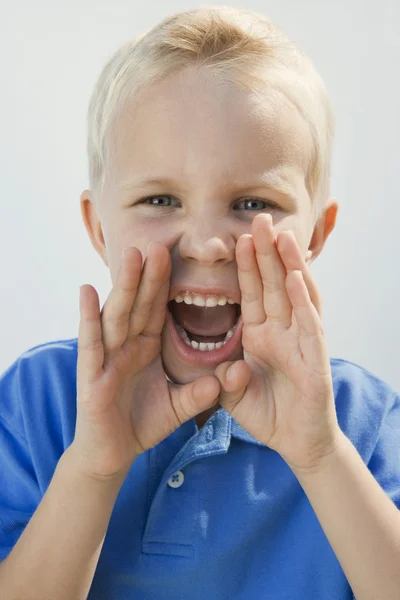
270,287
117,320
249,297
142,312
90,344
128,286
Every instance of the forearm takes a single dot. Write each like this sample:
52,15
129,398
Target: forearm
361,523
57,553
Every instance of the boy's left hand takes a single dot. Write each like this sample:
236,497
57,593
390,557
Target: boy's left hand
281,393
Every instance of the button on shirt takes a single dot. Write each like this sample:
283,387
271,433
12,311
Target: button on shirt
209,513
176,479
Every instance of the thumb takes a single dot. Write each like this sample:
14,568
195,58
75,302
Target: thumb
190,399
234,377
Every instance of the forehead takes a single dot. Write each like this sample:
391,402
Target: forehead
192,128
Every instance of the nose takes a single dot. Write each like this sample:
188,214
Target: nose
207,243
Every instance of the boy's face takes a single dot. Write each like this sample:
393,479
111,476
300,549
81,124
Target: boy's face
214,148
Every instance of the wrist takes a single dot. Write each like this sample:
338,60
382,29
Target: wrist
325,461
71,463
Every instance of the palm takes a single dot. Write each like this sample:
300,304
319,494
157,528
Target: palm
287,399
124,375
125,403
276,401
152,413
143,408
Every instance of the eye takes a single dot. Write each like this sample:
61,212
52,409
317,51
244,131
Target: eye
249,204
161,200
255,204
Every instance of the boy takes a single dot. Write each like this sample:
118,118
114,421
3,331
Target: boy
195,440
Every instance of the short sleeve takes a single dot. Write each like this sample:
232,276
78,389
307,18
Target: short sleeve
384,463
19,490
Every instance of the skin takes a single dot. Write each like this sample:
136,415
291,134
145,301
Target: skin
215,145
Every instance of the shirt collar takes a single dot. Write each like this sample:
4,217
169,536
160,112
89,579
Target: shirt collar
236,430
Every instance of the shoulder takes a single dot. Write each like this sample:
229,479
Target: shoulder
363,402
56,358
38,390
49,363
55,349
353,379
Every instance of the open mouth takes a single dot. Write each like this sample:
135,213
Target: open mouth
205,329
200,336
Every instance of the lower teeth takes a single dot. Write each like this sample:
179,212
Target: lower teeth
204,346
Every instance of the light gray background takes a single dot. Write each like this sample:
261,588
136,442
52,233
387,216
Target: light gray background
51,54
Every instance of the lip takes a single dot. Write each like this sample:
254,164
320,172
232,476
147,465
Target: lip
204,291
204,359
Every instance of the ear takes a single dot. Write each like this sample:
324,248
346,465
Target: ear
323,227
92,223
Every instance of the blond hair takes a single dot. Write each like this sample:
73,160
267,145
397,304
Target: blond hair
237,46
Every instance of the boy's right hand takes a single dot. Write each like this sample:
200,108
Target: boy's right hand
125,405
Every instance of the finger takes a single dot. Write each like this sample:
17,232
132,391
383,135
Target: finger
155,273
311,334
90,342
116,311
156,319
193,398
157,306
293,259
277,305
234,377
251,289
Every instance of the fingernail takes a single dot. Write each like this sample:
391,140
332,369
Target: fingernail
148,247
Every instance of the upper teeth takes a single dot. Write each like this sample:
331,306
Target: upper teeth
199,300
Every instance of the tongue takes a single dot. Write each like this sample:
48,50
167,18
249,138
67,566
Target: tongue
201,321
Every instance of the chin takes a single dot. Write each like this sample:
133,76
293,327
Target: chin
181,373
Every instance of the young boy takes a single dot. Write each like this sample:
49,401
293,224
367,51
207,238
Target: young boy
196,440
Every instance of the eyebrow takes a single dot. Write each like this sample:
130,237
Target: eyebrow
139,183
271,179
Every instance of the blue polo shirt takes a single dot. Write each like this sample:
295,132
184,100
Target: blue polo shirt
206,514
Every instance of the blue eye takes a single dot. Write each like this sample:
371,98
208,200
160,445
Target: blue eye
254,204
157,202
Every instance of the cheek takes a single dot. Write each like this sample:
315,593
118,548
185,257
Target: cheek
139,235
124,237
299,229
